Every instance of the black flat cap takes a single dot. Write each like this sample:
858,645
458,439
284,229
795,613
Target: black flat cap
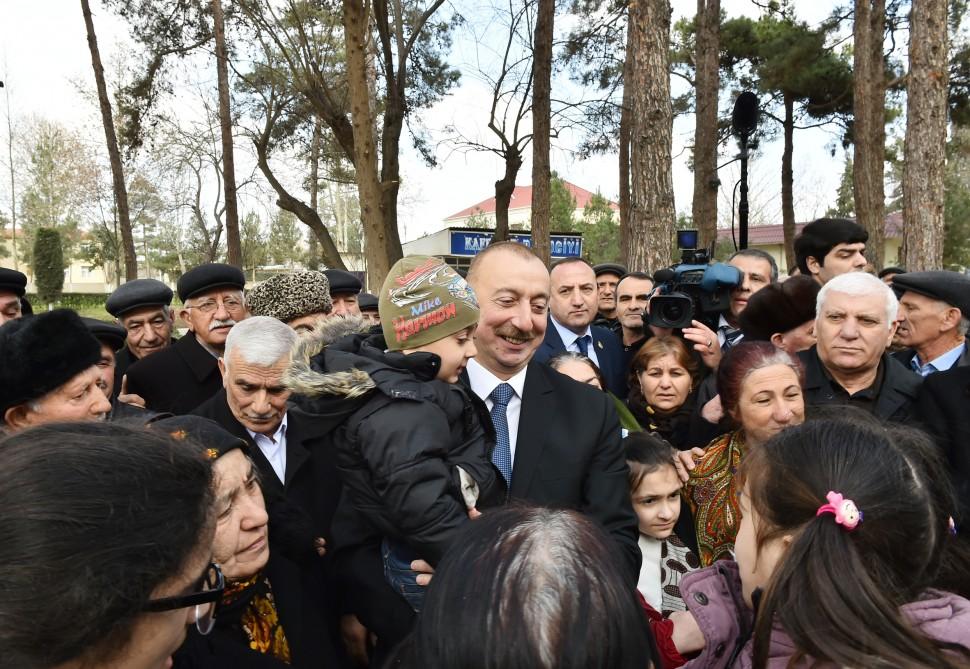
367,302
342,282
609,268
950,287
890,270
211,439
13,281
136,294
106,333
41,353
206,277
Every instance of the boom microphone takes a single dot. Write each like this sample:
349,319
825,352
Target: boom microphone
744,117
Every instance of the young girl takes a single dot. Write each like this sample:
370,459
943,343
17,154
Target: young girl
845,535
655,493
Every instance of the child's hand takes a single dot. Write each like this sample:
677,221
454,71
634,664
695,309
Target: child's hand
685,461
425,571
687,636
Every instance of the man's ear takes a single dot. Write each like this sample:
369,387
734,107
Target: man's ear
17,417
222,370
951,318
814,266
185,315
778,339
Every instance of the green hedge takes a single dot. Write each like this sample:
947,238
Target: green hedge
86,304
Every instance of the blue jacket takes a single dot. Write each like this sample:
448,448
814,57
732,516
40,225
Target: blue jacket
608,352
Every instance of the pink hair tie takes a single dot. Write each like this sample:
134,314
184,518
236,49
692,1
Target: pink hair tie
846,513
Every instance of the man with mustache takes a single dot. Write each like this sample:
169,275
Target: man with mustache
558,441
572,310
143,308
934,316
48,371
180,377
854,324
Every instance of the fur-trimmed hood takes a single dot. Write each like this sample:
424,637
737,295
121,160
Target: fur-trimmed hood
308,375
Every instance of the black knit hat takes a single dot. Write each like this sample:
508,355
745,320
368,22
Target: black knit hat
822,235
779,307
212,440
39,354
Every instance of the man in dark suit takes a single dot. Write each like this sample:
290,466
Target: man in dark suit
561,442
180,377
143,308
942,409
934,314
572,310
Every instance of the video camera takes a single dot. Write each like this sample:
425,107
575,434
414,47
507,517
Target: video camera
693,289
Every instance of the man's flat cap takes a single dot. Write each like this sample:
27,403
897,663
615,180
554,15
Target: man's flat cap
291,295
343,282
206,277
41,353
950,287
106,333
13,281
609,268
136,294
367,302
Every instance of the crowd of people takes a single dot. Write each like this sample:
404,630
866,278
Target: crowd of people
517,467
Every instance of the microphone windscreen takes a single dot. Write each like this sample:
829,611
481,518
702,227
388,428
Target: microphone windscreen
744,118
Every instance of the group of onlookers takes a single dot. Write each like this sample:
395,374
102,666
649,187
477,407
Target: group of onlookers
509,468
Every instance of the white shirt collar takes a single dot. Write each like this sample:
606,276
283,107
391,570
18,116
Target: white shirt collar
568,336
483,382
276,436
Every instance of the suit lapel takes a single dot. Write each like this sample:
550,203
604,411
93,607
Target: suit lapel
552,341
534,415
296,452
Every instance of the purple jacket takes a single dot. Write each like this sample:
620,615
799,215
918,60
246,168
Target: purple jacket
713,596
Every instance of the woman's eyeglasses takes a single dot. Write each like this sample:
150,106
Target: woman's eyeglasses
205,599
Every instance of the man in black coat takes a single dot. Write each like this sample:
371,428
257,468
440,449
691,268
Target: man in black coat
943,409
855,323
180,377
564,436
934,314
572,310
143,308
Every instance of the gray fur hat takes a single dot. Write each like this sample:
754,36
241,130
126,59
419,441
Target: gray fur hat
293,295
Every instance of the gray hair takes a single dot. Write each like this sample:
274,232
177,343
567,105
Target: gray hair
859,284
964,326
260,340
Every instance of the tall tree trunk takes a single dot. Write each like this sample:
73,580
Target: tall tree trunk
233,243
626,112
356,18
652,214
504,188
924,163
13,182
114,156
541,112
707,84
313,250
869,127
787,179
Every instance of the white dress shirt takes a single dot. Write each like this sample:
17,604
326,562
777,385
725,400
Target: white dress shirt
483,382
569,339
274,448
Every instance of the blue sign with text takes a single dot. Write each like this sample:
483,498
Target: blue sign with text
469,243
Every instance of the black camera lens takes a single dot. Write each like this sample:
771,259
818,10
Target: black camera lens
672,312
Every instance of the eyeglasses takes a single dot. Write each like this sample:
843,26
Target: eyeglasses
209,306
205,600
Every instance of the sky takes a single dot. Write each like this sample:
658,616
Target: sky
45,64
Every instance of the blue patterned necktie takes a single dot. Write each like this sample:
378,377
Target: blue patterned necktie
731,336
583,344
502,455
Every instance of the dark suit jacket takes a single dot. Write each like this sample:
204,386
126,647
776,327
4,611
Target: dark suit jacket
906,356
123,360
943,408
608,352
568,453
897,394
177,379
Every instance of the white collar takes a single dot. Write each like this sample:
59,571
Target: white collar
568,336
483,382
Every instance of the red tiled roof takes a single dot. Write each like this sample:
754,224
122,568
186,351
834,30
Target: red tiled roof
522,199
773,234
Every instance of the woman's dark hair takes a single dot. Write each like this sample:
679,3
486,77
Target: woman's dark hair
837,593
744,358
531,587
557,361
95,517
656,347
645,453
